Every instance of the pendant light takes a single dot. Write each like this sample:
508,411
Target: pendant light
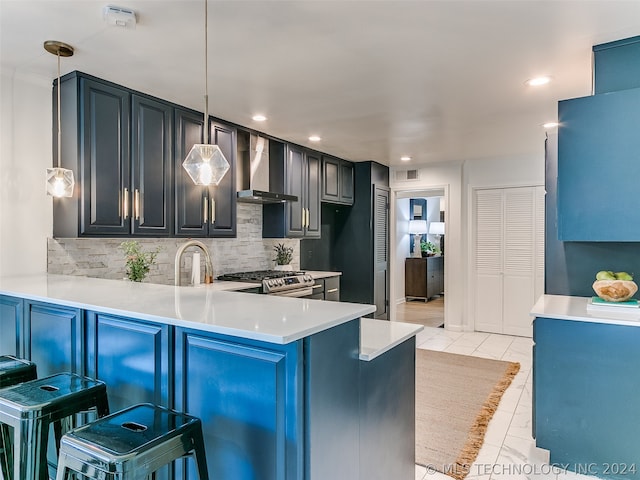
205,163
60,180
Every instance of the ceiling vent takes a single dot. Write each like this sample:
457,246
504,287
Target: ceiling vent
119,16
407,175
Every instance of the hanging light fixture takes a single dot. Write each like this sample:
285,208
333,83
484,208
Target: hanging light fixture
205,163
60,180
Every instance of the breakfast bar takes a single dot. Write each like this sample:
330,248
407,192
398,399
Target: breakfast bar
276,381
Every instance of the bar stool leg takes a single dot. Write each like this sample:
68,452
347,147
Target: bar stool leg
199,455
6,454
30,459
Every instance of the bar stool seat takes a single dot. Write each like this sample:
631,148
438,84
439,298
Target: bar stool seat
31,407
15,370
132,444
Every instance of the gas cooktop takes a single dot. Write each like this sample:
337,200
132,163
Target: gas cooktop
258,276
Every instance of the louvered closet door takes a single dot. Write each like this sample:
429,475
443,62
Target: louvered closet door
381,252
519,259
488,228
509,258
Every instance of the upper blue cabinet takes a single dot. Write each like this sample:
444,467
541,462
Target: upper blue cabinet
599,167
617,65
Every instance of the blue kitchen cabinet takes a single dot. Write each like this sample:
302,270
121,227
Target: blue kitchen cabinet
204,211
248,395
10,325
598,167
337,181
151,166
585,396
53,338
616,65
131,357
299,170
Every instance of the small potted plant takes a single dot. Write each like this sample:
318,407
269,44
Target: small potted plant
284,255
428,249
137,261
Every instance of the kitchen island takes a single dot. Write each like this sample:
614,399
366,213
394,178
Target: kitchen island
276,381
586,386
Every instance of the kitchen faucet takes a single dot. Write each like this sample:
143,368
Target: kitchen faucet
208,266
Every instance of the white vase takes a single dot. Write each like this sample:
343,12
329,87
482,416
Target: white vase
283,267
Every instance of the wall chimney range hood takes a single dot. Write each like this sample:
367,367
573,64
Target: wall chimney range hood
253,174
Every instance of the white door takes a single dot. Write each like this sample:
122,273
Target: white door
509,258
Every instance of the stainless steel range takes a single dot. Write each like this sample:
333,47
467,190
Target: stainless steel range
276,282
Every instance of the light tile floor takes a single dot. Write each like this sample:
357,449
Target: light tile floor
509,451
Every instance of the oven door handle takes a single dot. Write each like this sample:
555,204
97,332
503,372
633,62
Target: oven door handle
297,293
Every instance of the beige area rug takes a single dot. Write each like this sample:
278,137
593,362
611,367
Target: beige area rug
456,396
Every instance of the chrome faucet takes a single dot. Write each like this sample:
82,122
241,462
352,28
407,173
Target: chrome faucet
208,266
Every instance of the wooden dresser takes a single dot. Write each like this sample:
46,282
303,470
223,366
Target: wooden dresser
423,277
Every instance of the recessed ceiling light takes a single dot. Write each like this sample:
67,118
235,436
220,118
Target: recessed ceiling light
259,118
550,124
538,81
314,138
405,158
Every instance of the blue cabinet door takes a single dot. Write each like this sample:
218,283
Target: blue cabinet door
249,398
53,338
10,325
131,357
599,167
585,395
152,166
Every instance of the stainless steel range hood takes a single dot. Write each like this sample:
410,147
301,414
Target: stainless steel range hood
253,172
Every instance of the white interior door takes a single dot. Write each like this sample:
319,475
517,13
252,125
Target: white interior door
488,226
509,258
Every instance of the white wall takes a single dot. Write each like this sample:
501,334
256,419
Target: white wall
25,153
459,179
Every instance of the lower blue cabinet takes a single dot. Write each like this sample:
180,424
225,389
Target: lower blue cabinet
10,325
53,337
249,397
131,357
585,396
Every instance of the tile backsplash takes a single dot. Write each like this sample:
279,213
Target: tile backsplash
101,257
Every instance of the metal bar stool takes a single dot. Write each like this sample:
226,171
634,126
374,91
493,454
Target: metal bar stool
31,407
15,370
12,371
132,444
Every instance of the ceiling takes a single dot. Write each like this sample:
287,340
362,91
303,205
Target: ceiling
435,80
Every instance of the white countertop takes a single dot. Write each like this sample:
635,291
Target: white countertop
380,336
267,318
575,308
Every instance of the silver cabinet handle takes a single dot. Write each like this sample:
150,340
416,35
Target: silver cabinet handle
125,203
136,204
213,211
206,210
303,217
332,290
317,286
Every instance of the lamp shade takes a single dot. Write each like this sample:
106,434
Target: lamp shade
417,227
206,164
436,228
60,182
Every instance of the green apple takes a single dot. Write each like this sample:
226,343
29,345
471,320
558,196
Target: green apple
623,276
605,275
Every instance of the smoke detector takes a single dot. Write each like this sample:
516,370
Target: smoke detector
119,16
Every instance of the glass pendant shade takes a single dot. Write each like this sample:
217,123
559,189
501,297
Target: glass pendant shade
206,164
60,182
